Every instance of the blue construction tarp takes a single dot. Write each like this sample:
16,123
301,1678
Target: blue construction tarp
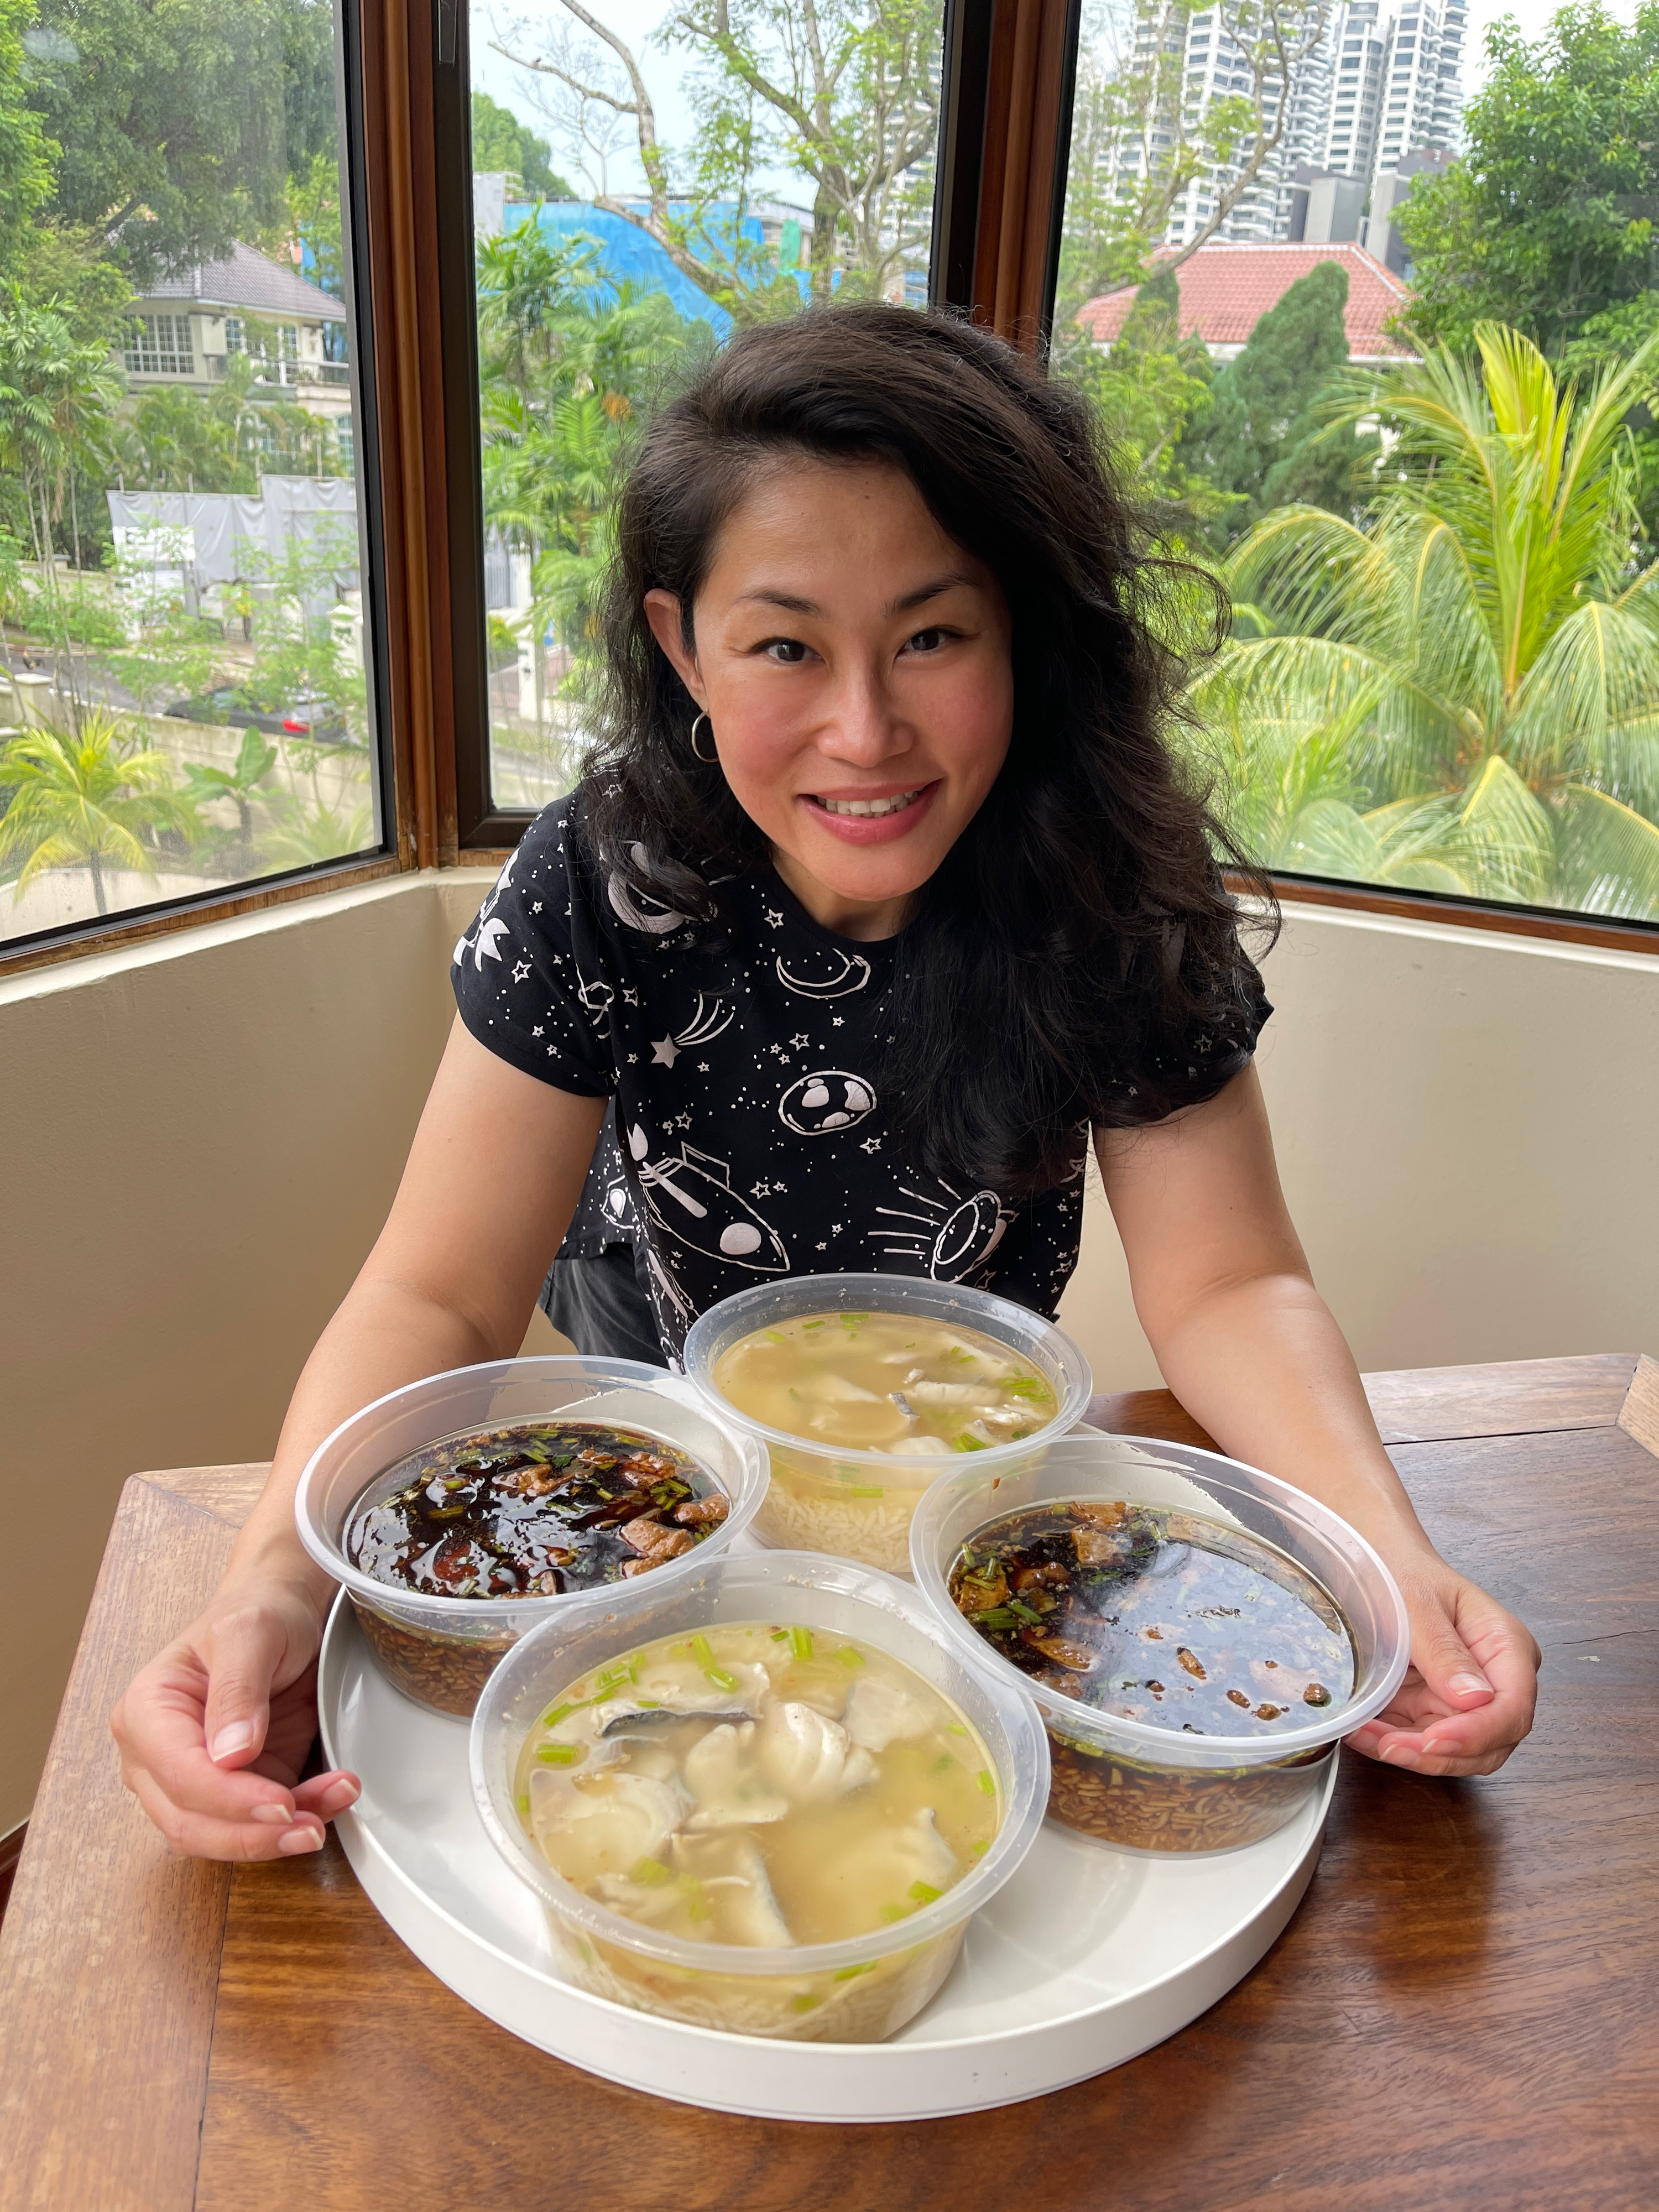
628,254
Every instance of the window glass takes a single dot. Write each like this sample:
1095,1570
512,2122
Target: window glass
184,698
1393,383
646,179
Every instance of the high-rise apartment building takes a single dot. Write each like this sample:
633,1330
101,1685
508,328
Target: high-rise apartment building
1385,78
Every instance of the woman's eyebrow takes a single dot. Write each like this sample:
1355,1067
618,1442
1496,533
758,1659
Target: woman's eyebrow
767,595
950,581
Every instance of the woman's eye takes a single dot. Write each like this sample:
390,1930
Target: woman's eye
786,650
926,641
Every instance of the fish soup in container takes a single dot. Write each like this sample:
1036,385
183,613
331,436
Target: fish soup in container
865,1388
765,1798
1198,1636
468,1508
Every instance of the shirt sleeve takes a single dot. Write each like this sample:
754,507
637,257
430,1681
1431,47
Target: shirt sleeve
528,974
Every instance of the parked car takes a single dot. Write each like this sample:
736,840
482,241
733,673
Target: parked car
228,709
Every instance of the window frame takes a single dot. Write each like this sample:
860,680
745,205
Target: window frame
363,178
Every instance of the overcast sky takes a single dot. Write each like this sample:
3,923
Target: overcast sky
664,71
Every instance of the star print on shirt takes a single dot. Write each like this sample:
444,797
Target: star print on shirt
800,1044
664,1052
537,907
537,1031
520,970
871,1144
773,917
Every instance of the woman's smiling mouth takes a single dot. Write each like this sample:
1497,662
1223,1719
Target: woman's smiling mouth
872,818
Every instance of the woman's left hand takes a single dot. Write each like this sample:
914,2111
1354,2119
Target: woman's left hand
1468,1694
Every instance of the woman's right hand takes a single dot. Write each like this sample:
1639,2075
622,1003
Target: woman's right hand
214,1732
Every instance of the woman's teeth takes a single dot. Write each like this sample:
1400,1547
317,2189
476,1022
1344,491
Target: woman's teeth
870,805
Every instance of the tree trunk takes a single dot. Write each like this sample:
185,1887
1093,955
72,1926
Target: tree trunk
824,247
94,863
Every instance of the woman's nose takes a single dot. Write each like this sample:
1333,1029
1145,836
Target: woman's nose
863,727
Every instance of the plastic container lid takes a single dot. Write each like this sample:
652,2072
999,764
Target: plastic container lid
1146,1471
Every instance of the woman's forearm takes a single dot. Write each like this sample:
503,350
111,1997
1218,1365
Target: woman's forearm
1262,1365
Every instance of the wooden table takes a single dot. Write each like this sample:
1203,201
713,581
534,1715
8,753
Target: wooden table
1463,2012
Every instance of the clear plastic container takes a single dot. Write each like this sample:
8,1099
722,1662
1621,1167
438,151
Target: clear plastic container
441,1651
855,1992
1127,1783
858,1504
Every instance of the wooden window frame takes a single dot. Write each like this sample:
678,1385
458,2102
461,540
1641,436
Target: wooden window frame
1554,924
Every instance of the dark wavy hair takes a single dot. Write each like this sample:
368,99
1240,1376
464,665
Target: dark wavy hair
1076,959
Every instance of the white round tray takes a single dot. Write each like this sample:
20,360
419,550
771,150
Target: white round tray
1087,1956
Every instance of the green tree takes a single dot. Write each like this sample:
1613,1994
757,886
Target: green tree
85,799
240,785
222,441
56,398
173,117
568,360
1264,440
844,91
500,140
1462,695
26,152
1548,218
1151,389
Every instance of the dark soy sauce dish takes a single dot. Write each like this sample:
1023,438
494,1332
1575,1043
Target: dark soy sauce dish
1173,1620
533,1509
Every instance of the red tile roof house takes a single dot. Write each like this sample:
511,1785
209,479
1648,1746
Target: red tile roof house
1226,289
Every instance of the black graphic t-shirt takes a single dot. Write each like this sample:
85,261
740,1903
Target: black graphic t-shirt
747,1139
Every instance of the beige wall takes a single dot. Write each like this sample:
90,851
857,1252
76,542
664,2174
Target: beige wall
1467,1127
200,1138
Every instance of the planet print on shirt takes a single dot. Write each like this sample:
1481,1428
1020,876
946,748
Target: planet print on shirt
946,1241
818,1105
830,974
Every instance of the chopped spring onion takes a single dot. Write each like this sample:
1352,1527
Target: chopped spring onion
704,1652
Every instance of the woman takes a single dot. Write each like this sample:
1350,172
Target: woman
881,897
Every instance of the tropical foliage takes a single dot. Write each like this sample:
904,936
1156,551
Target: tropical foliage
568,362
85,799
1459,693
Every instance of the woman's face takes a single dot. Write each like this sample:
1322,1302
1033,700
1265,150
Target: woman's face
854,667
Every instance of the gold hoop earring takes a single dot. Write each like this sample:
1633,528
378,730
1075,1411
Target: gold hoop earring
707,758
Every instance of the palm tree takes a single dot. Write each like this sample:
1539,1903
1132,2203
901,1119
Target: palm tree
240,784
1462,695
79,799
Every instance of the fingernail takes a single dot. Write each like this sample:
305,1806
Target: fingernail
272,1814
342,1794
237,1737
1396,1752
1434,1747
1464,1685
306,1838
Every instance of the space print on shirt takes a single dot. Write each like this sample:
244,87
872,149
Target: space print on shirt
746,1138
